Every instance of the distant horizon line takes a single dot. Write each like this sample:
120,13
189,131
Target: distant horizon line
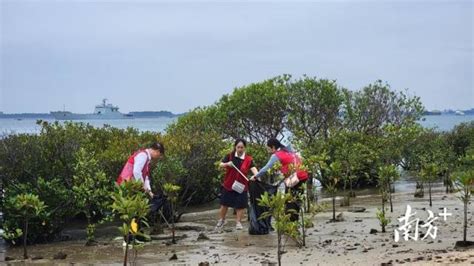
145,111
181,113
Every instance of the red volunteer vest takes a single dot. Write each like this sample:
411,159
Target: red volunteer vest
231,174
288,158
127,171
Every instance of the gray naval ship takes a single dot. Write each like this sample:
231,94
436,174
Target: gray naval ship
101,111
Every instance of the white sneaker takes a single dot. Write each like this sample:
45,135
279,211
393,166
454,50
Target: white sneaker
137,242
219,224
239,226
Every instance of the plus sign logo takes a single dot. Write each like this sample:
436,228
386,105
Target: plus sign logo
410,223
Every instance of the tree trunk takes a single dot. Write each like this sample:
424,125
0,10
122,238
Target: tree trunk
450,188
344,190
25,237
309,192
391,203
465,222
429,190
90,231
390,196
279,249
125,258
352,195
333,208
446,182
383,214
172,224
302,228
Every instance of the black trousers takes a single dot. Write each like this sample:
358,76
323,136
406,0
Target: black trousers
295,204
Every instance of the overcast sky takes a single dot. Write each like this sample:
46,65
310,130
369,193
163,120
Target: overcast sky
153,55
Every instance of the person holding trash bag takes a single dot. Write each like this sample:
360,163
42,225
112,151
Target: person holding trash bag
138,166
290,168
257,224
234,189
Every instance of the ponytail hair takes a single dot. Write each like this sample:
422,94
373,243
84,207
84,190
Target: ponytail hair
275,143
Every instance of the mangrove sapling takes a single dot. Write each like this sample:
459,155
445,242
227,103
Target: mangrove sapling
172,192
27,206
429,174
91,190
446,164
448,181
132,206
170,170
307,215
394,176
464,183
313,165
300,197
282,217
385,174
419,189
381,216
331,186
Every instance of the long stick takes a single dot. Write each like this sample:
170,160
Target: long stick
235,167
163,216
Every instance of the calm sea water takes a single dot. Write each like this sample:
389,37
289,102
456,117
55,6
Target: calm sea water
445,122
11,126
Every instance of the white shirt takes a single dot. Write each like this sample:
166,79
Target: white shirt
140,161
241,157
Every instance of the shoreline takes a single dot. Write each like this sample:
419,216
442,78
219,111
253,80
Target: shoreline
341,243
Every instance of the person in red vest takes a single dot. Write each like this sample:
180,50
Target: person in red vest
138,166
290,163
287,157
229,197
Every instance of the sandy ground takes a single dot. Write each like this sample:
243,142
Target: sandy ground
348,242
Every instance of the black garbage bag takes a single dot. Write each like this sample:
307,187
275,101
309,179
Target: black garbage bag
160,202
259,226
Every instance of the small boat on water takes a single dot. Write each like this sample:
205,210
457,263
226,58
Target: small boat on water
101,111
459,113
